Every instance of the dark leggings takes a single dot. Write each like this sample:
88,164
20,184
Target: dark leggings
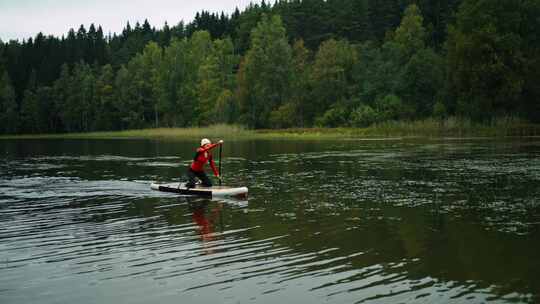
192,178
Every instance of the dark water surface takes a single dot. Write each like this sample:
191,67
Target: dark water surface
326,222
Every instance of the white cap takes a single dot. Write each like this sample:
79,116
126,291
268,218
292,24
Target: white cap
205,141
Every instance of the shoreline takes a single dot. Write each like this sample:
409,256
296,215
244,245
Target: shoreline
385,131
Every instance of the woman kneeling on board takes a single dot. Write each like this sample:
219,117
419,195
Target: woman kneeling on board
202,156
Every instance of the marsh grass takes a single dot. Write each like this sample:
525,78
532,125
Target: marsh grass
214,131
432,128
455,127
450,127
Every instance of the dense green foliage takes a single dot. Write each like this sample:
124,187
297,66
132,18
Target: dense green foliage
296,63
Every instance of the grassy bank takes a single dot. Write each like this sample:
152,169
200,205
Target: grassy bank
452,127
215,131
429,128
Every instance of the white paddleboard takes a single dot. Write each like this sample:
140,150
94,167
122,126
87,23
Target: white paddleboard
214,191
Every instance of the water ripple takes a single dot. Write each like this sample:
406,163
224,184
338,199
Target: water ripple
387,223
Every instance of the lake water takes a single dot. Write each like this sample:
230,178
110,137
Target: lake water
326,222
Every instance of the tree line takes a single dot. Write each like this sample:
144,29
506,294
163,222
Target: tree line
296,63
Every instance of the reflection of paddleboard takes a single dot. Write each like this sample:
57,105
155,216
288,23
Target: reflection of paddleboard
215,191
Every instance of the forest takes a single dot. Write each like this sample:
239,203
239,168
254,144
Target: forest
293,63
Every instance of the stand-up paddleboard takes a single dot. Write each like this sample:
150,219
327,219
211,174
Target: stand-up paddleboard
214,191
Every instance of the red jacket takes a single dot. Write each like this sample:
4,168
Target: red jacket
202,156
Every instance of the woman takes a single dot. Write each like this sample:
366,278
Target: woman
202,156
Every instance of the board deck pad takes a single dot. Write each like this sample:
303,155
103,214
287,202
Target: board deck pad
214,191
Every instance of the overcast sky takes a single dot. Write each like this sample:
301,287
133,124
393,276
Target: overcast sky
21,19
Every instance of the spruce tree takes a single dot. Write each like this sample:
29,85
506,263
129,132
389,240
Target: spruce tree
9,114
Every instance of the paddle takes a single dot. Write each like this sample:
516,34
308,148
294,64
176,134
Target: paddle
220,174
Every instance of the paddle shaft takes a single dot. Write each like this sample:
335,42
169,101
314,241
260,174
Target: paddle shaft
220,174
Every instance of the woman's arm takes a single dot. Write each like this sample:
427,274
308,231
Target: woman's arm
208,147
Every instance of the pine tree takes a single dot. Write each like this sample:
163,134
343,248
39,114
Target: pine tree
101,51
296,111
265,80
385,16
332,74
410,35
164,36
61,90
8,105
152,59
488,56
215,83
108,113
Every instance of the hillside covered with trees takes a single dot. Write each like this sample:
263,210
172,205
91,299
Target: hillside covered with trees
295,63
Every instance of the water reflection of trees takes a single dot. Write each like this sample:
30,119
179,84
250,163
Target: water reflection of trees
425,243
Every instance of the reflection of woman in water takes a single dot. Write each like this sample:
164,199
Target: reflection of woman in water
205,223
